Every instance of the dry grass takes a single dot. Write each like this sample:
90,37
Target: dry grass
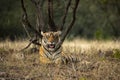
100,60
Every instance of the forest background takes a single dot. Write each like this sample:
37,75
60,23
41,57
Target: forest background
96,19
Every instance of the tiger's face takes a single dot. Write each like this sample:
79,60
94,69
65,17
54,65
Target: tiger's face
50,39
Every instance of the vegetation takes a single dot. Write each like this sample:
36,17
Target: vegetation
98,19
100,57
97,63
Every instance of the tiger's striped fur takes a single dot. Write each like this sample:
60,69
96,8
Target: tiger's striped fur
49,53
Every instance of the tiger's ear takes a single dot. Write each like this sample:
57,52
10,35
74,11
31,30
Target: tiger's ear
42,33
59,32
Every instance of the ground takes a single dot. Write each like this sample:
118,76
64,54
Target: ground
100,60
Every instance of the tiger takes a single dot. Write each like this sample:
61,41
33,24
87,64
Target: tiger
50,53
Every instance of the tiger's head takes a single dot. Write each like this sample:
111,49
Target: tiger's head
50,39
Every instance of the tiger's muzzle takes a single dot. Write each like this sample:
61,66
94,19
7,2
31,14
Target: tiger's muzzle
52,46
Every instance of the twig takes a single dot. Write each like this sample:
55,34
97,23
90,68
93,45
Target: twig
25,19
64,17
26,31
51,22
67,30
34,41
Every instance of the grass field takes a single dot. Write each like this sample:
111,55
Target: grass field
100,60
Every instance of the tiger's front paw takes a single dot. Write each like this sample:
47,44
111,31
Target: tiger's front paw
58,61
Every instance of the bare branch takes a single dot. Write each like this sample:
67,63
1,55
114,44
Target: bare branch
25,20
35,41
28,34
40,19
66,12
26,47
67,30
51,23
50,7
32,41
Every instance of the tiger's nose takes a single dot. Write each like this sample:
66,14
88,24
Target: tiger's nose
51,39
52,43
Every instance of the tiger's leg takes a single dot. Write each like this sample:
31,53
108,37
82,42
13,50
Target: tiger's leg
58,61
69,58
45,60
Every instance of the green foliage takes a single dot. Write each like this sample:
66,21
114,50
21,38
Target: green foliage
116,54
82,78
103,1
99,34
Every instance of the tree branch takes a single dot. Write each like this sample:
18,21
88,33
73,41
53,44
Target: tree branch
64,17
25,20
51,22
28,34
34,41
40,19
67,30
